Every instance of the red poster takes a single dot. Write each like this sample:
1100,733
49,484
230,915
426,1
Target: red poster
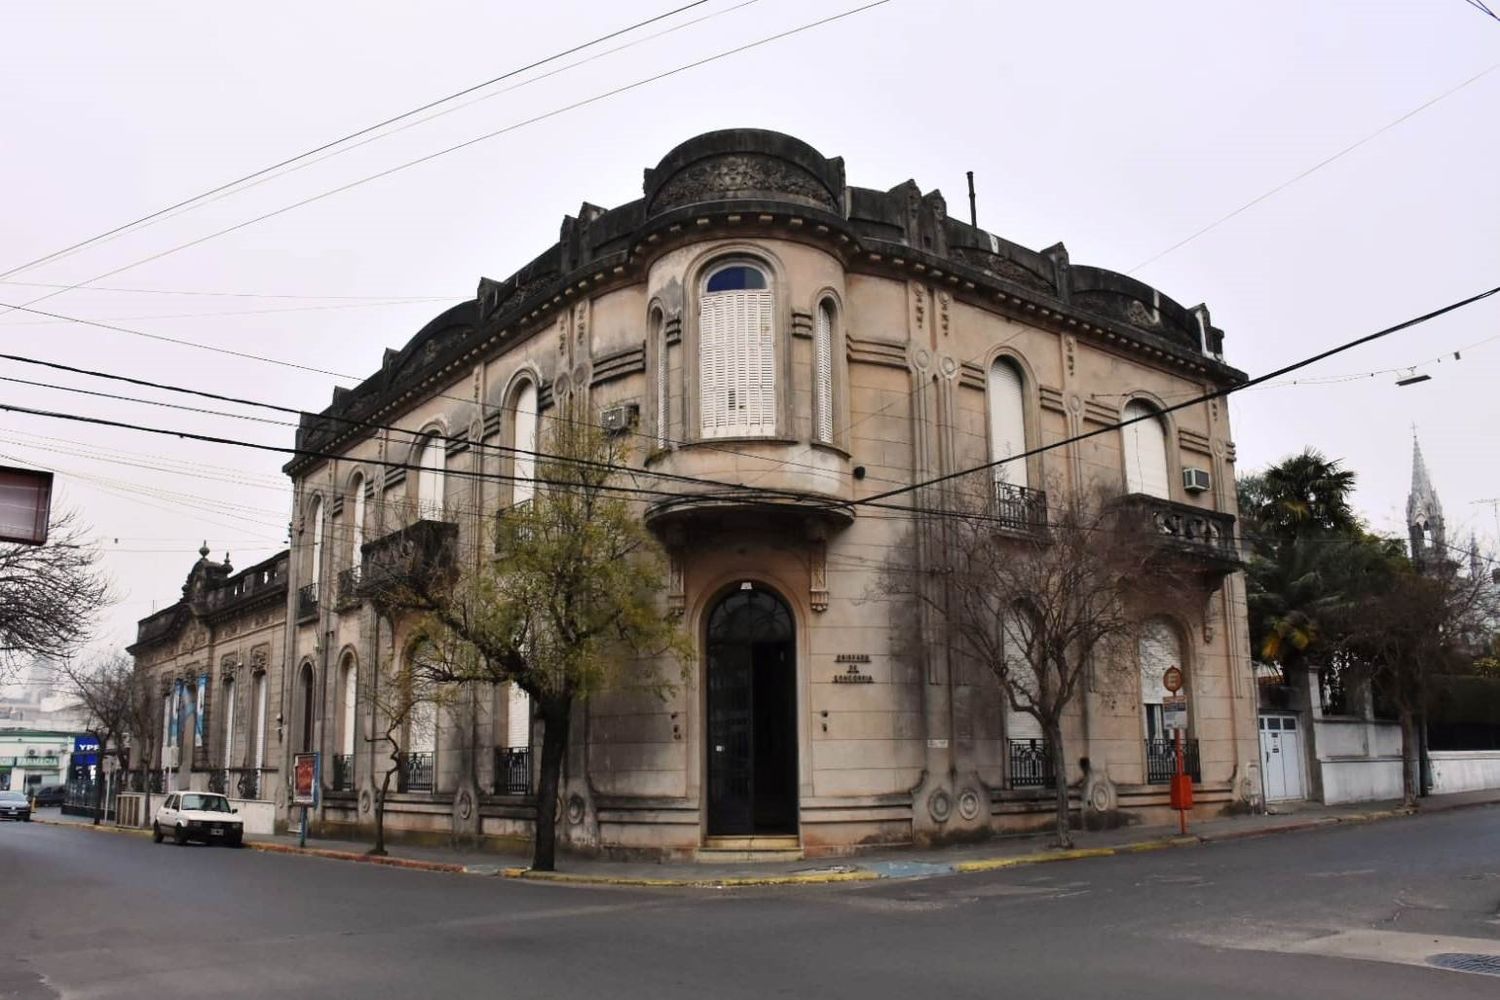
305,779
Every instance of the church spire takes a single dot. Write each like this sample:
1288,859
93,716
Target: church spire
1424,513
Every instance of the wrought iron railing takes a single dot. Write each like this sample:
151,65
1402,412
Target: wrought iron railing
513,770
1161,761
1193,531
244,782
343,772
157,781
417,772
1030,764
349,585
307,602
218,781
1018,508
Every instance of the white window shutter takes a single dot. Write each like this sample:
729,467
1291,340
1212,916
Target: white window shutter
1018,725
524,441
663,400
260,722
517,717
1007,422
1145,444
823,376
1159,650
351,707
737,364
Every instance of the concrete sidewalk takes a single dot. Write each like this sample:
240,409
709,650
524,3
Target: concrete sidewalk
991,855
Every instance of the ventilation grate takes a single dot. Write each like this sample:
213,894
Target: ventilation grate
1461,961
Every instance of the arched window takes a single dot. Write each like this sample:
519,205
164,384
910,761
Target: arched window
1159,649
229,690
525,442
737,353
1145,445
431,462
1007,421
315,573
349,714
663,398
823,374
1021,677
305,684
357,524
259,759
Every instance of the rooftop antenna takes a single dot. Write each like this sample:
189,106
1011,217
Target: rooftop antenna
973,212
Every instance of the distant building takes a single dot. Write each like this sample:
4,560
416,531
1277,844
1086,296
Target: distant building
1424,516
30,758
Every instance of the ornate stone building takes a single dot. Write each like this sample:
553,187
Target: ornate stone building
216,657
754,319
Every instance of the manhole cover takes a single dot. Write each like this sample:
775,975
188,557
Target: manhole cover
1460,961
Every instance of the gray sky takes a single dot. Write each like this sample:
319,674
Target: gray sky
1116,128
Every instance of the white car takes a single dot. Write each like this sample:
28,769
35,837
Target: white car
205,816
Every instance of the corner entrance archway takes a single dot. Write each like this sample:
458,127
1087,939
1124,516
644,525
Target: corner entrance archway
752,716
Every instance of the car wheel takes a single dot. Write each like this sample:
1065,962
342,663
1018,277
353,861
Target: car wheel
238,841
155,833
180,836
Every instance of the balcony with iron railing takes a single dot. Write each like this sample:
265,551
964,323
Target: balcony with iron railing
1018,509
417,772
307,603
347,590
1031,764
1203,536
412,556
343,772
1161,760
512,770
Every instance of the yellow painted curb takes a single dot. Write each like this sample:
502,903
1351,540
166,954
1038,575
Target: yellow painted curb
811,878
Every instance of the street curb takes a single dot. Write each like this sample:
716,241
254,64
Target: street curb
813,877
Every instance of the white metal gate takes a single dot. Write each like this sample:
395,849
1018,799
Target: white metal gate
1281,757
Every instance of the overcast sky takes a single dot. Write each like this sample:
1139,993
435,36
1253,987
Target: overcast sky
1117,128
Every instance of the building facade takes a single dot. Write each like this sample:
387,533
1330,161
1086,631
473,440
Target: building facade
754,320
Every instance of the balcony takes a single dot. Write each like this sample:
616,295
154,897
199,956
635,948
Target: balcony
1031,764
512,770
1161,761
348,587
307,603
417,772
1018,508
418,555
343,772
1203,536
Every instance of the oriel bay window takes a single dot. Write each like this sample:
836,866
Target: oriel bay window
737,353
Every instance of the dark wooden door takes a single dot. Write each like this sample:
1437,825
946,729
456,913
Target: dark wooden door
752,716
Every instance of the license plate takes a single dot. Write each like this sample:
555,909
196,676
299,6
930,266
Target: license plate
216,831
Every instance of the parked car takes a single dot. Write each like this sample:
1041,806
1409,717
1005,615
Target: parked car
15,805
205,816
49,795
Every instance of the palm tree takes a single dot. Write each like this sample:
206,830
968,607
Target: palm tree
1307,494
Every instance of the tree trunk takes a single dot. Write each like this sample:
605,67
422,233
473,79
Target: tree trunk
385,784
1059,757
1409,761
557,713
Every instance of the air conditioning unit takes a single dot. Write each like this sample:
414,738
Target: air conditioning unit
617,419
1196,480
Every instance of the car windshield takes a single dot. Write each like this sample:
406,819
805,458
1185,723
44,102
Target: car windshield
206,803
12,797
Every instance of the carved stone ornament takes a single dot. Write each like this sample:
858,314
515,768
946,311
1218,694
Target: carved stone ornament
940,806
366,801
741,175
576,809
968,804
676,594
463,804
817,593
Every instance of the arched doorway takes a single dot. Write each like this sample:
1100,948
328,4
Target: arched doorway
752,715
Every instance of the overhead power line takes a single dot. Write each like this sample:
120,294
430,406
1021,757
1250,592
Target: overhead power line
534,119
345,138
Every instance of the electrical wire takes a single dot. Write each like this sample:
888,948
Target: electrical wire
534,119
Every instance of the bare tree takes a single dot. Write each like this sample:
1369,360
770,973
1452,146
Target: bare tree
568,602
102,690
1037,601
404,700
142,723
50,594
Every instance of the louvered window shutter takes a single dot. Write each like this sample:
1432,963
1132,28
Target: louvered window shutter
737,364
1007,422
1019,725
663,402
517,717
823,376
524,487
1145,444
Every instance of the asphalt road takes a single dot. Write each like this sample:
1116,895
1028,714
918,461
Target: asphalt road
1350,912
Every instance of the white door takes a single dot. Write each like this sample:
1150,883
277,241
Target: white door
1281,757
